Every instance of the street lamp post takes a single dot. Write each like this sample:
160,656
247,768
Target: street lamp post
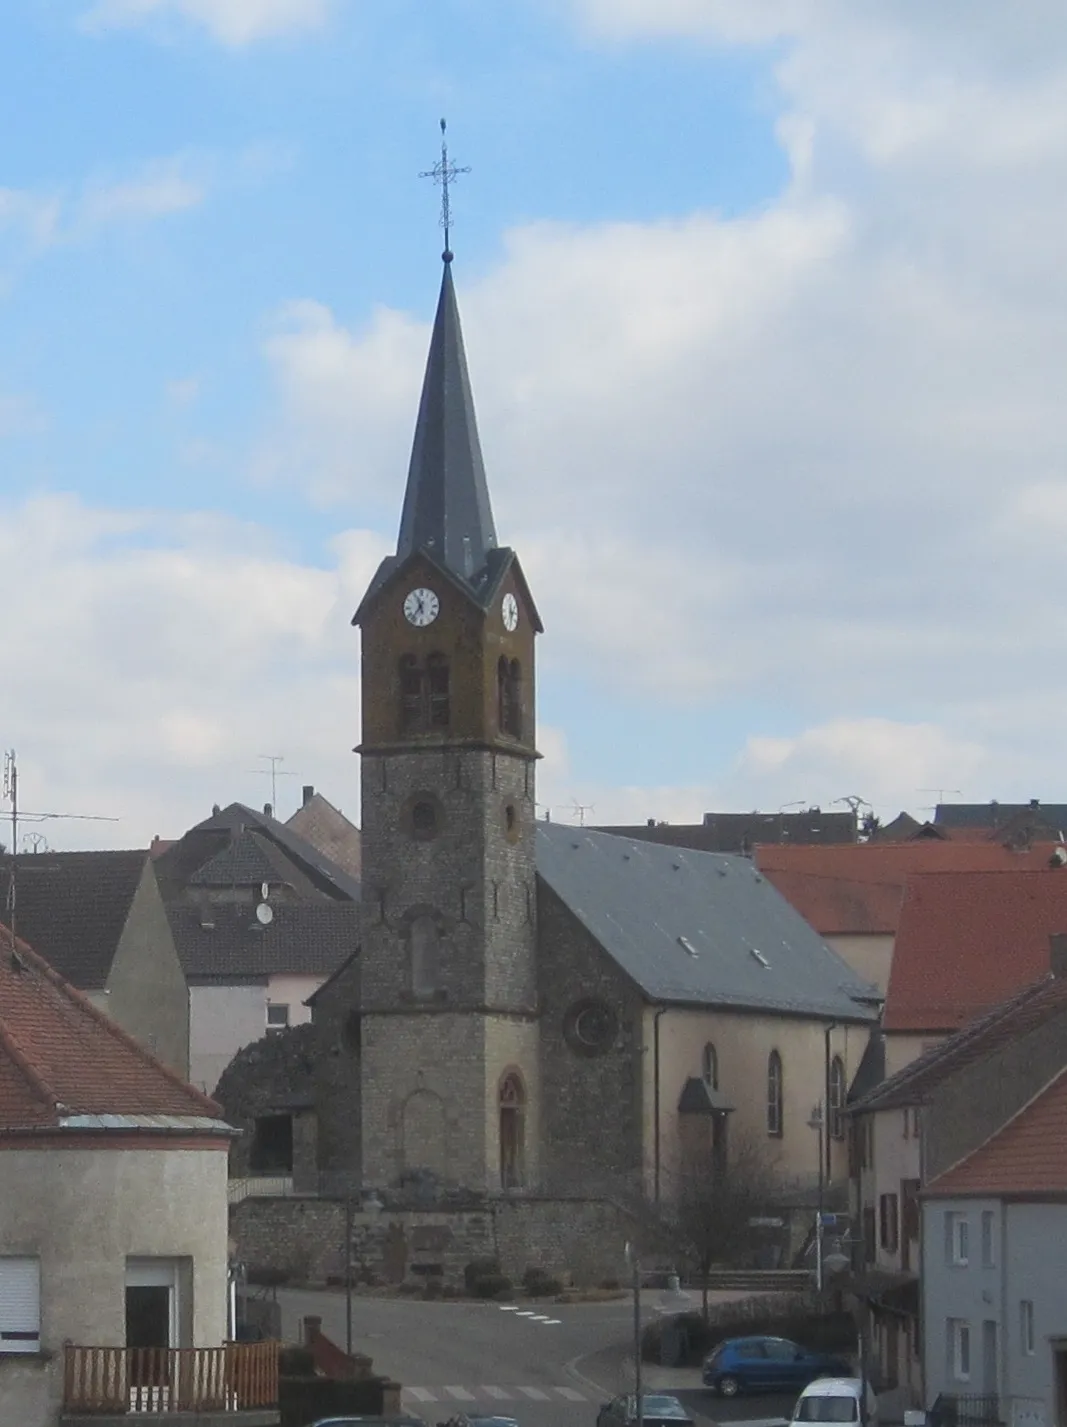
818,1122
635,1268
371,1205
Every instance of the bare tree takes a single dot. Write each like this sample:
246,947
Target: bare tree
718,1202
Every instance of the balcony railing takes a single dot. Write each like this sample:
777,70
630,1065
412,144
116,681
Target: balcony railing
237,1377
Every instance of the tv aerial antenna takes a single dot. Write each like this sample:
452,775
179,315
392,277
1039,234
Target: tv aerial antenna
273,773
580,809
19,815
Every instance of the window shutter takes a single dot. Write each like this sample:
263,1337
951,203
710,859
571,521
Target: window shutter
20,1305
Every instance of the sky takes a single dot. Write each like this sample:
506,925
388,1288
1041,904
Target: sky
764,305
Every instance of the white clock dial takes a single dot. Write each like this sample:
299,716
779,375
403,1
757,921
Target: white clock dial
509,611
421,608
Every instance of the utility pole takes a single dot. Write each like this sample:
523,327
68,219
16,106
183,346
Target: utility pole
635,1267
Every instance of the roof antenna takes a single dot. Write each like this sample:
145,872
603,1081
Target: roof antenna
443,173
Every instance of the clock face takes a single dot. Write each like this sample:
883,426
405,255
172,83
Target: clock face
509,611
421,608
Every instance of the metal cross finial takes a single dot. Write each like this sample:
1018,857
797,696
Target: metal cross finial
443,173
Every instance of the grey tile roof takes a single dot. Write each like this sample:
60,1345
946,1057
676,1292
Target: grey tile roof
740,832
698,1098
243,862
71,907
304,939
697,927
993,815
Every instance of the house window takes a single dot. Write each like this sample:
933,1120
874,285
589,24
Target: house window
277,1016
272,1145
774,1094
1026,1326
710,1067
837,1098
20,1305
958,1339
889,1223
957,1239
988,1246
509,696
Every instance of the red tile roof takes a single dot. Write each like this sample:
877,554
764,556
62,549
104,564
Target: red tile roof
969,940
859,888
60,1056
1012,1020
1028,1156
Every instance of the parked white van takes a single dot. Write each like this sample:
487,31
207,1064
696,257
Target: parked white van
835,1400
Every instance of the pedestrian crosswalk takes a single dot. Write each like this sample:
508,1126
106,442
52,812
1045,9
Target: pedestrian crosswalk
493,1393
530,1314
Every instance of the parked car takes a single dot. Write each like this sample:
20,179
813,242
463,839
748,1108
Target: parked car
657,1410
836,1400
767,1365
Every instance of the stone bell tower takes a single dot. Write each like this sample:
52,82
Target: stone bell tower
449,1062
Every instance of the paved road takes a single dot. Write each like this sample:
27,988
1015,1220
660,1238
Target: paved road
548,1365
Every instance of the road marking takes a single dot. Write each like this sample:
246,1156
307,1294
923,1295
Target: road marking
508,1307
460,1394
571,1394
525,1313
534,1393
420,1394
540,1318
498,1393
551,1320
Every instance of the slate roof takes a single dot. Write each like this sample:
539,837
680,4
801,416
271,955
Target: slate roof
1027,1157
698,1098
860,888
871,1071
303,939
61,1058
247,859
311,869
969,940
1013,1018
327,828
72,906
995,815
741,832
697,928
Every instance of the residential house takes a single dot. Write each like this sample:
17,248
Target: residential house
994,1227
966,941
328,830
99,920
1020,822
114,1230
260,918
854,895
918,1122
740,833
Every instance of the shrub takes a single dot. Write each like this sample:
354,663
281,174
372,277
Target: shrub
478,1269
610,1285
539,1284
433,1288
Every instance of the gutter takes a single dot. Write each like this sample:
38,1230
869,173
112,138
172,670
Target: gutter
661,1011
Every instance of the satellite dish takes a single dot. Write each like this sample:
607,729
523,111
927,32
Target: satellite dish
264,914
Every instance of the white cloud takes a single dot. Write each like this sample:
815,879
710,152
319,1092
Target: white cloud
162,187
232,22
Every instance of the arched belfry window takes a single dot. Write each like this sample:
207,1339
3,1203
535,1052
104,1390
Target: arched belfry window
837,1098
425,694
509,696
774,1094
710,1067
512,1103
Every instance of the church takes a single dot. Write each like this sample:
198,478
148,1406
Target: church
536,1009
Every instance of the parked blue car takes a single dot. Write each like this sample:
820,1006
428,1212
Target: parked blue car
767,1365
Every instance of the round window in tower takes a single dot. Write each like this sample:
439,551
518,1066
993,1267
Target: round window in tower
423,817
590,1027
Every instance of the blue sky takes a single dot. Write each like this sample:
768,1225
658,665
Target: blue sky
765,320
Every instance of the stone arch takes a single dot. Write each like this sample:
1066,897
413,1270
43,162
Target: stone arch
511,1107
424,1133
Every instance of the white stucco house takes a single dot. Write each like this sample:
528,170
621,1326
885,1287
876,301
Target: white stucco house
994,1267
113,1223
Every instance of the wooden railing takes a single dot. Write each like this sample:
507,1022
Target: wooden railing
233,1378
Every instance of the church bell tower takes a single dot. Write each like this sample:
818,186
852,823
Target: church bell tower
449,1057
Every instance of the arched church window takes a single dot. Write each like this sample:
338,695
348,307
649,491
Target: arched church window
837,1098
437,682
509,696
512,1102
411,695
774,1094
425,942
710,1067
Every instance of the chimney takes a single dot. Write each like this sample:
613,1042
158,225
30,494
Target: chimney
1057,953
652,822
309,793
268,811
215,810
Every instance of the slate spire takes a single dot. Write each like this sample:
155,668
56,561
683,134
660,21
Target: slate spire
446,504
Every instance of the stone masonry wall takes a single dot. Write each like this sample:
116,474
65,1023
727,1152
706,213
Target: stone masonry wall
591,1115
338,1049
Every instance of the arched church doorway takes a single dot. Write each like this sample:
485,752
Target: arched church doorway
512,1130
